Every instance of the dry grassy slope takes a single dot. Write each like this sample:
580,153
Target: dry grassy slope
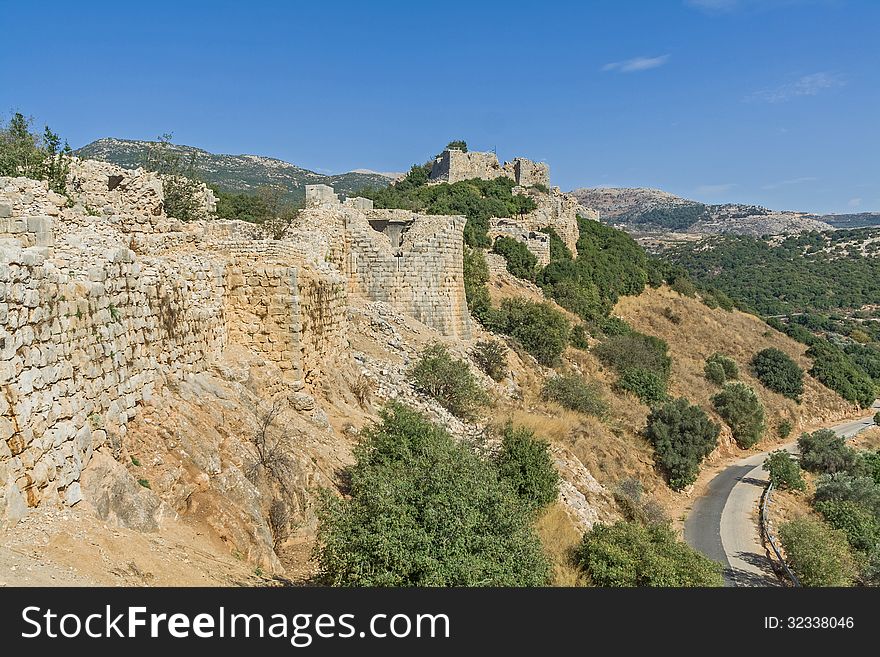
703,331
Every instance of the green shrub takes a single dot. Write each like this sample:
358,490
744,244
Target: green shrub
491,357
521,262
425,510
785,473
579,338
671,315
684,286
449,381
648,386
871,464
818,554
877,418
541,329
632,554
836,370
476,275
858,523
784,429
580,298
727,364
575,394
525,463
635,351
682,436
715,373
776,370
825,452
854,488
740,407
613,325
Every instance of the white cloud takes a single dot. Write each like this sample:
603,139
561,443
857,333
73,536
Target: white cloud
807,85
636,64
854,202
710,190
786,183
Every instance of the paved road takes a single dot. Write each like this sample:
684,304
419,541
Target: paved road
723,524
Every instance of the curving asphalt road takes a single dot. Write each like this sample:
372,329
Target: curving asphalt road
723,524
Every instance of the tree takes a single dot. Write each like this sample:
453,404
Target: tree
877,418
823,451
541,329
425,510
740,407
720,368
521,262
448,380
27,154
524,462
818,554
785,473
682,435
180,186
476,275
491,357
776,370
459,144
632,554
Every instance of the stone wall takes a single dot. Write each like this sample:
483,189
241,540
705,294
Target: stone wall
538,243
454,165
89,329
557,210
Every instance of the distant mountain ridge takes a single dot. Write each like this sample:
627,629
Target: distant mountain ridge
237,173
645,210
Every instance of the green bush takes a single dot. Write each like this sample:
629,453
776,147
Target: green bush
776,370
613,325
648,386
729,369
854,488
524,462
785,473
632,554
575,394
740,407
858,523
871,464
635,350
818,554
425,510
684,286
179,179
836,370
541,329
579,338
521,262
784,429
715,373
35,156
491,357
682,436
877,418
476,275
449,381
825,452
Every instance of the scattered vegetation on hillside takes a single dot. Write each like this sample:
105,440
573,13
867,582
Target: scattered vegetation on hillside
521,262
641,362
574,393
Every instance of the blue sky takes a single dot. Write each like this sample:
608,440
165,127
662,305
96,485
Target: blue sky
767,101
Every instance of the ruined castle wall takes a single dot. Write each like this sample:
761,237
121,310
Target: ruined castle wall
453,166
536,242
557,210
422,278
79,349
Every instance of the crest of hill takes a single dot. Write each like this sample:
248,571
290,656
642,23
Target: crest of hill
236,173
643,210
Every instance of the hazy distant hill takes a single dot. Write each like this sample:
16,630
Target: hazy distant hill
644,210
237,173
854,220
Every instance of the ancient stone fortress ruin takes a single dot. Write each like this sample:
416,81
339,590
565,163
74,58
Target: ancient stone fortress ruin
554,208
104,299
